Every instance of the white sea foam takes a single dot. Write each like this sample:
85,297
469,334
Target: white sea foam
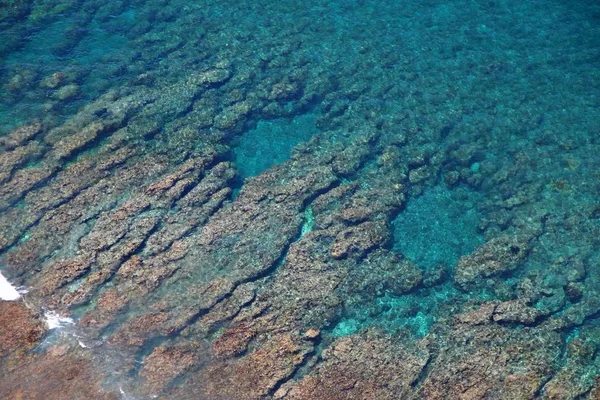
8,291
54,321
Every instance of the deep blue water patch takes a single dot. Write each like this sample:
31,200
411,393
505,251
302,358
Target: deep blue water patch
438,227
271,143
88,54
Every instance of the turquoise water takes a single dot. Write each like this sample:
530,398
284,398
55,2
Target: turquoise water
271,143
438,227
197,180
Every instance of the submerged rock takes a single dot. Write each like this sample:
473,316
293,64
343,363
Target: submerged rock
498,256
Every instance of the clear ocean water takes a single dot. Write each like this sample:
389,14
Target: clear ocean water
330,186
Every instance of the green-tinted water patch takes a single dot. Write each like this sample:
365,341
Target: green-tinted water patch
438,227
416,312
346,327
271,143
412,313
309,221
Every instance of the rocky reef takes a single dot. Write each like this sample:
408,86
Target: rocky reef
433,234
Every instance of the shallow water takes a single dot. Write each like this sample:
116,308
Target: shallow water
203,186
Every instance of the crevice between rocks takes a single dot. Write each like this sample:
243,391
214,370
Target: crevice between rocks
154,342
102,136
161,213
293,375
417,384
63,163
